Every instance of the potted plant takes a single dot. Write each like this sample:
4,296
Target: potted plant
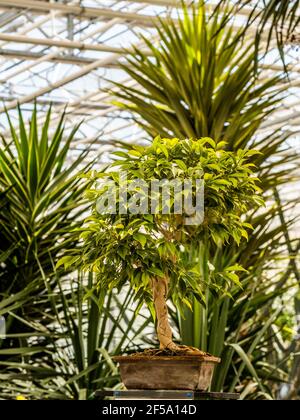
150,207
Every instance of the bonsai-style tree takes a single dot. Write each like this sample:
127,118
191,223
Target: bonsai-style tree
134,237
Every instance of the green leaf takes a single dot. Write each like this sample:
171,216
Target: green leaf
156,271
142,239
164,149
181,164
236,267
66,261
248,363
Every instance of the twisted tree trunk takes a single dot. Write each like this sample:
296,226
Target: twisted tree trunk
164,330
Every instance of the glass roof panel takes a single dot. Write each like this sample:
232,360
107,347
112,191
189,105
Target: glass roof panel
64,52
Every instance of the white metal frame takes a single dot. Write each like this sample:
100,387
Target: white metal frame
63,52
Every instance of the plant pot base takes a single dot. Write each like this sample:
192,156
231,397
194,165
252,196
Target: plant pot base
167,372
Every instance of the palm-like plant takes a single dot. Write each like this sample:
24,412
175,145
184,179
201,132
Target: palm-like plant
201,80
69,355
275,19
43,199
240,330
4,253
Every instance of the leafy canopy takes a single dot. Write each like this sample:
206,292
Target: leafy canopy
135,248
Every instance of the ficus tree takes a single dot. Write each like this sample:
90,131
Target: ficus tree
137,235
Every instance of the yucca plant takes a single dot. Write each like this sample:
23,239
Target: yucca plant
4,253
69,356
291,355
201,80
276,20
43,198
42,203
239,329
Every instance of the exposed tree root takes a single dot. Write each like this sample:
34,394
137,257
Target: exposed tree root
175,351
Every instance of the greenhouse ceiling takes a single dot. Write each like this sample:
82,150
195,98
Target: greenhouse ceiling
68,53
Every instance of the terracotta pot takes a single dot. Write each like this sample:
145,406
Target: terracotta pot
167,372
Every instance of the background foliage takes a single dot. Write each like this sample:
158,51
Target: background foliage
42,199
204,81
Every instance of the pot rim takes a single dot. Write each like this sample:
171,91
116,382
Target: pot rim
192,358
